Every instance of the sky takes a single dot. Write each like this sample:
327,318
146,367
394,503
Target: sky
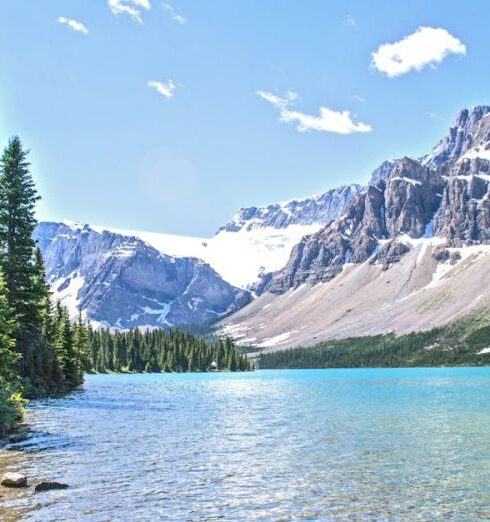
169,116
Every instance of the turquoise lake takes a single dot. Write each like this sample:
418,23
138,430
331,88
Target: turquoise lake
387,444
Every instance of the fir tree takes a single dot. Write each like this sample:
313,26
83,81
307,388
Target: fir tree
18,197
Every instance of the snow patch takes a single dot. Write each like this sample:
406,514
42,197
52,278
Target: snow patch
239,257
476,153
278,339
69,295
408,180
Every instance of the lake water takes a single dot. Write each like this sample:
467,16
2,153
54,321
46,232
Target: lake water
409,444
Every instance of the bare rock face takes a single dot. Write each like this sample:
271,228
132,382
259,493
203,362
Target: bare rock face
469,127
411,198
446,193
320,257
14,480
464,214
382,172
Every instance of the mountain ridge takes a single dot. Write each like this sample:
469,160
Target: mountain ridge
235,262
441,200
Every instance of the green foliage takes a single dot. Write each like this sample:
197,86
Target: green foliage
162,351
10,399
18,197
455,344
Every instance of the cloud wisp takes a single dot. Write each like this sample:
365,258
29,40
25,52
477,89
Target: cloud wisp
130,7
427,46
328,120
165,89
175,16
73,24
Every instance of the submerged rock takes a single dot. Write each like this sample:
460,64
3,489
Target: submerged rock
47,486
18,437
14,480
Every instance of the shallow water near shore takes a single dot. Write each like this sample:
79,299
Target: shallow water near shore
387,444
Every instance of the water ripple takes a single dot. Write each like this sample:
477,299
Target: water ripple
270,445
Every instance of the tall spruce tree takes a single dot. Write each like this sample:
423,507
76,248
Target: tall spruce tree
18,197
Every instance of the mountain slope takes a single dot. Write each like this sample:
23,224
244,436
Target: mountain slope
441,201
416,293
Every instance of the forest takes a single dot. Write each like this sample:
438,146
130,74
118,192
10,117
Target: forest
161,351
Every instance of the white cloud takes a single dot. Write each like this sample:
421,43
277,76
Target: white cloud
76,26
165,89
178,18
130,7
426,46
359,98
327,121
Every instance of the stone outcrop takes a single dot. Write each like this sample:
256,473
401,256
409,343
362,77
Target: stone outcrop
390,253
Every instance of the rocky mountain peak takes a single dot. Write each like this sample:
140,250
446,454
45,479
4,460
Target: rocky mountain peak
470,128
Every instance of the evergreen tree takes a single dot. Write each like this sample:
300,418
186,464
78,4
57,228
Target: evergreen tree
65,348
18,197
81,346
10,402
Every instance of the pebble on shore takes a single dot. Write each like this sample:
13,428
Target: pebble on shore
14,480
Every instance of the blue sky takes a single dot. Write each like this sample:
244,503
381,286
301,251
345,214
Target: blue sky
109,149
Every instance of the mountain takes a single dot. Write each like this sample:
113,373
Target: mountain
123,279
315,210
408,253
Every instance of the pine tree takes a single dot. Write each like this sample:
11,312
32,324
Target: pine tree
65,348
45,371
18,197
81,347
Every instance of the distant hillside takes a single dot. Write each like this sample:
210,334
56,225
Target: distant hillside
462,342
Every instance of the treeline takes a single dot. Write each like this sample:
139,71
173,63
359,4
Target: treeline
41,352
455,344
161,351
